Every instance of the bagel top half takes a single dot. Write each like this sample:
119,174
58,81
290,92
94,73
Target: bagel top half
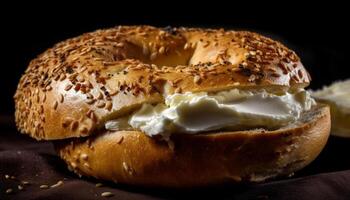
72,89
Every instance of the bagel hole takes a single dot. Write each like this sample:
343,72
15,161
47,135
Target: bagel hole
171,58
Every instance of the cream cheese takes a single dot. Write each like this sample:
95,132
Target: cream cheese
235,109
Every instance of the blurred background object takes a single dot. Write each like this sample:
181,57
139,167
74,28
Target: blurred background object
337,96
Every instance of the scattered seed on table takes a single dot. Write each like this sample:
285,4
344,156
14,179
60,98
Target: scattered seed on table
20,187
25,182
59,183
9,191
99,185
107,194
44,186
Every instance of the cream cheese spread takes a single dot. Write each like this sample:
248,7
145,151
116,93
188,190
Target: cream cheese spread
234,109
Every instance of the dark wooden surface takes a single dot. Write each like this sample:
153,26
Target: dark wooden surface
25,159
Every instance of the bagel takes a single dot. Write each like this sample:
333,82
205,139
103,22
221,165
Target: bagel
76,93
199,160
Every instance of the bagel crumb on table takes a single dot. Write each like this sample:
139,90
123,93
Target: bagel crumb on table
70,91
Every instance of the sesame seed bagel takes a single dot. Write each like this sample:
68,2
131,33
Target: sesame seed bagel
72,89
131,157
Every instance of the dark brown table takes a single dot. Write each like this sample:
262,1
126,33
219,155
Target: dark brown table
24,159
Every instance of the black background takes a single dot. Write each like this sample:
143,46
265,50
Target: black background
317,32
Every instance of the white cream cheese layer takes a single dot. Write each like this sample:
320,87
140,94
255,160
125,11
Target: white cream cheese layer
231,110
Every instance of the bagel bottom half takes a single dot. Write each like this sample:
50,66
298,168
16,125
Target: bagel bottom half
134,158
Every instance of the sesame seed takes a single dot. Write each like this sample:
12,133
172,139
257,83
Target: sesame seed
143,34
100,104
300,73
9,191
271,69
193,45
161,50
100,95
80,78
68,87
44,97
145,50
89,84
48,88
236,83
90,101
162,33
206,44
73,164
252,78
89,96
125,166
61,98
153,55
7,176
283,68
107,194
25,182
98,185
83,130
88,113
77,87
113,92
55,104
37,98
295,78
253,53
92,115
59,183
62,77
120,44
187,46
44,186
120,140
197,79
275,75
66,122
74,125
83,69
109,105
178,90
84,156
20,187
56,77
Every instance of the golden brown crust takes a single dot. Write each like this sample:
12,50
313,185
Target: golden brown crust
131,157
74,87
